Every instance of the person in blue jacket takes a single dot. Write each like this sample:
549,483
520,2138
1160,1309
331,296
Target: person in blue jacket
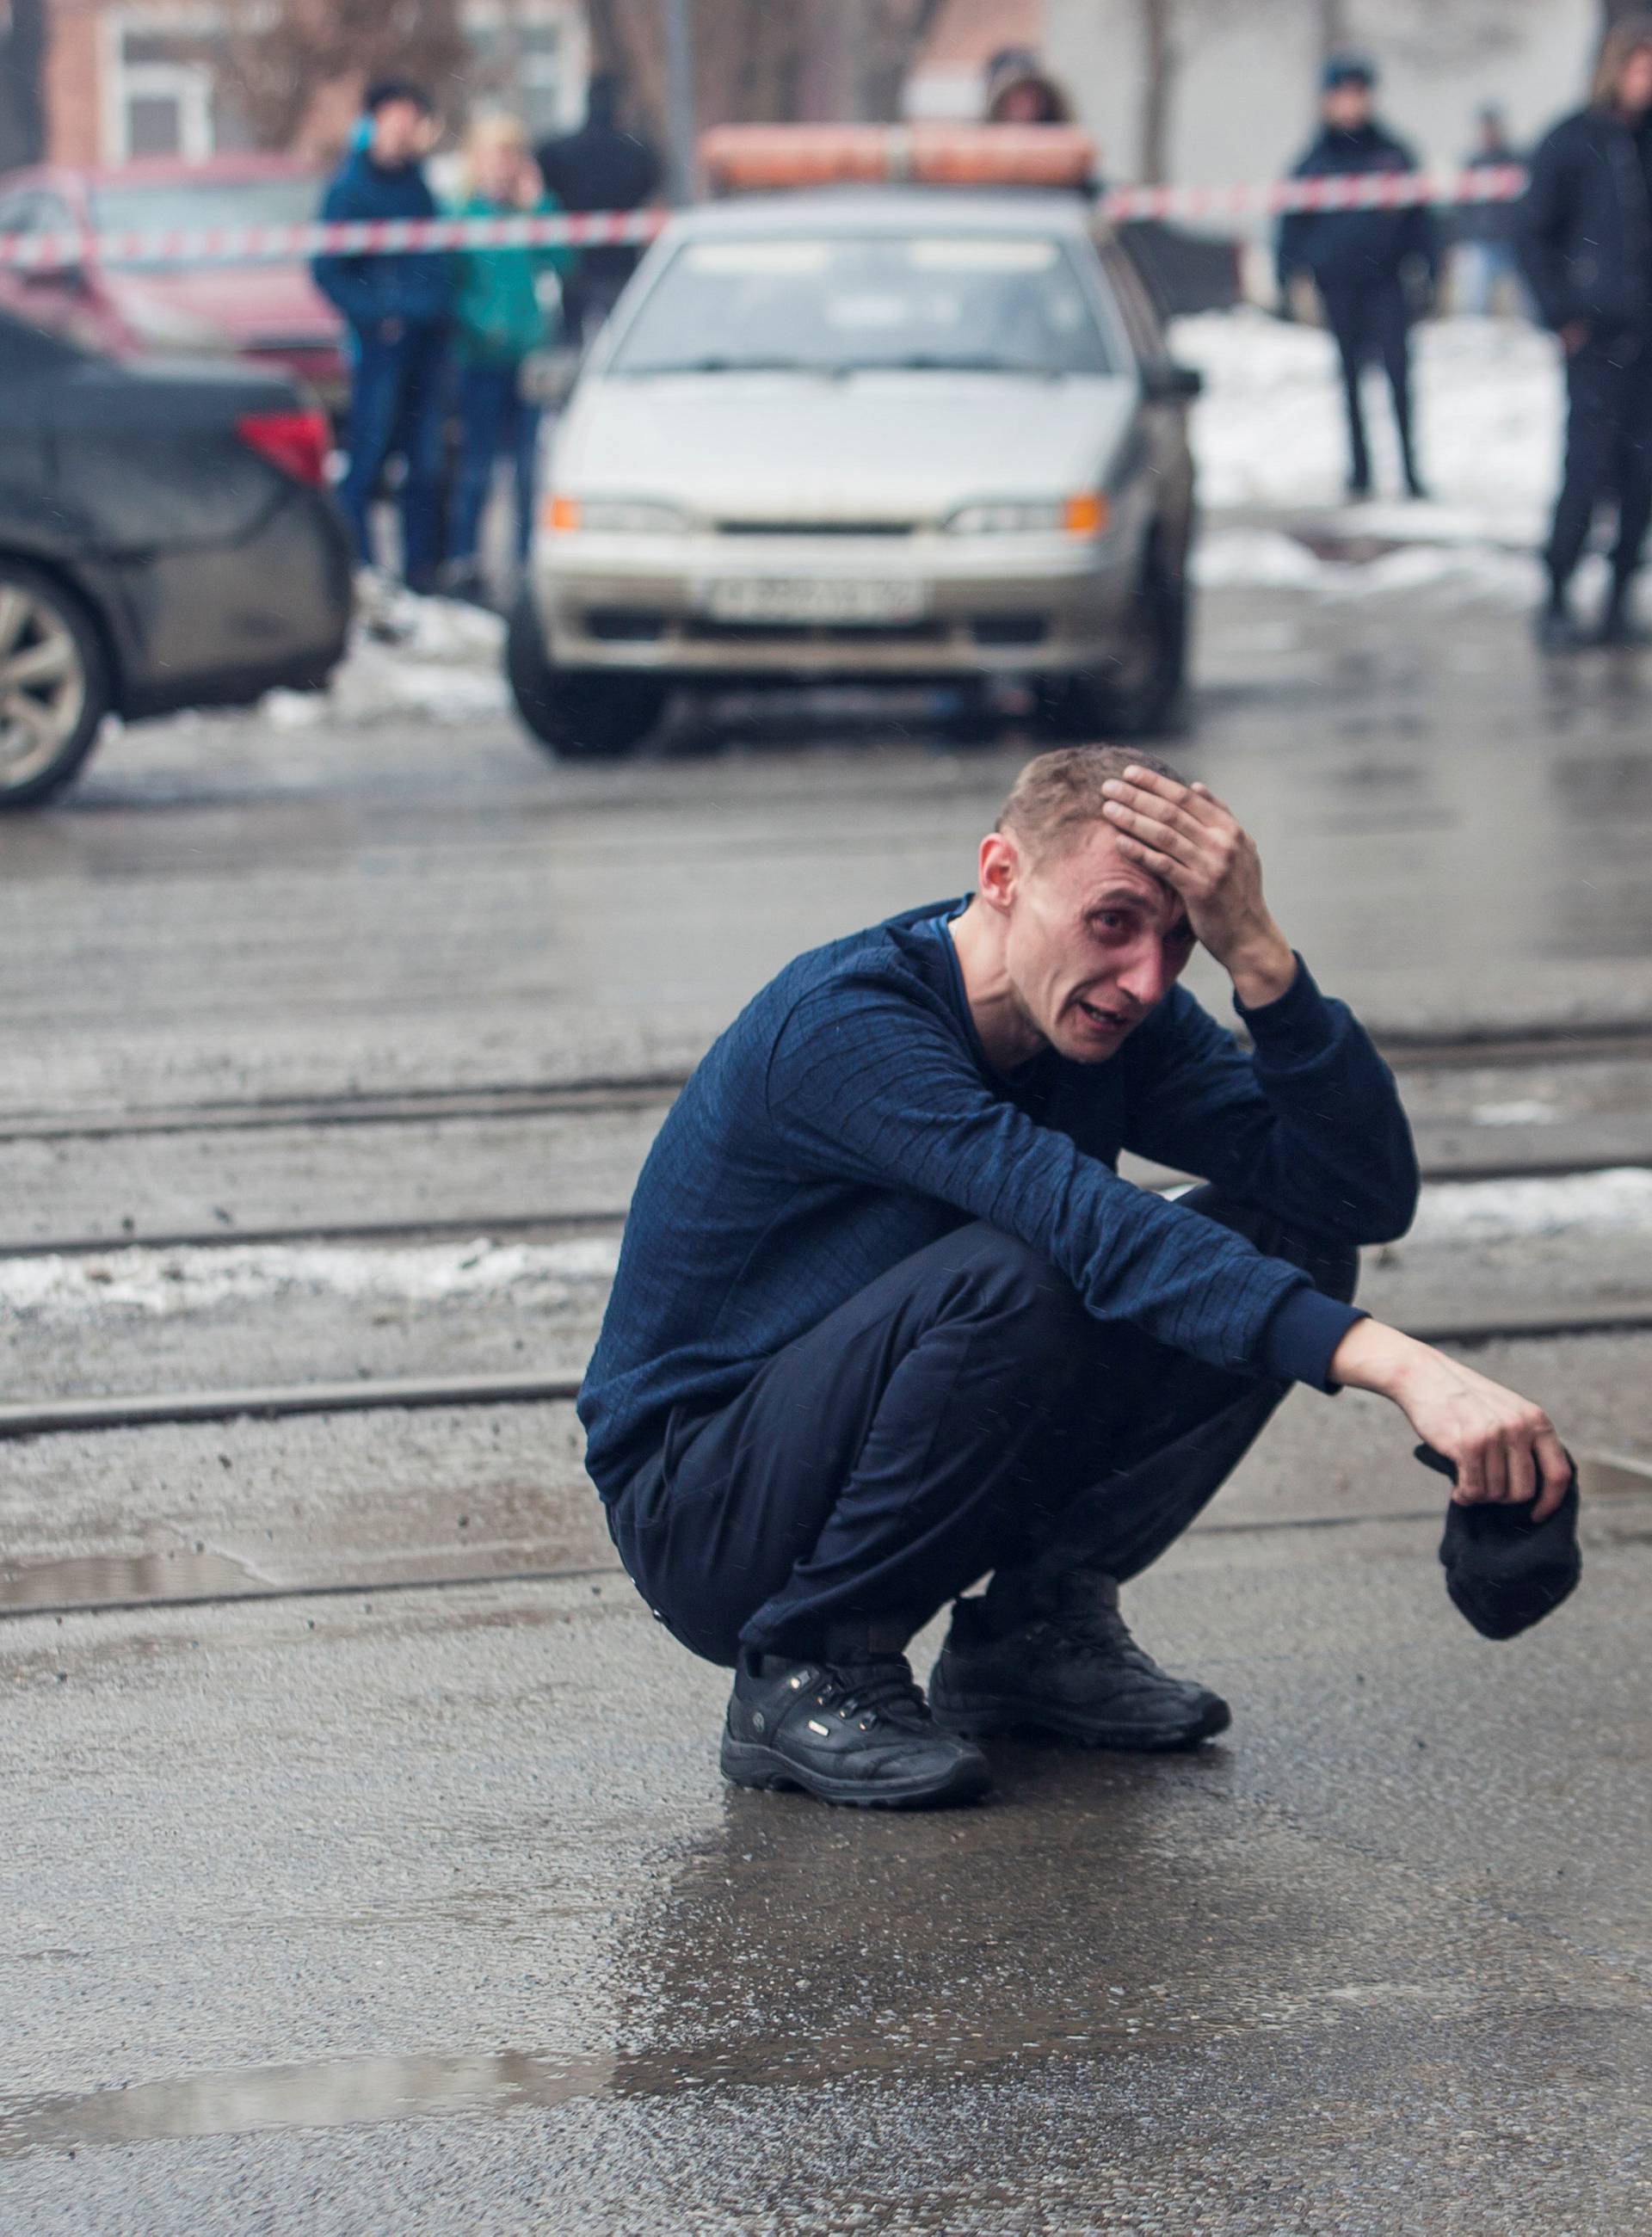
397,308
888,1316
1361,260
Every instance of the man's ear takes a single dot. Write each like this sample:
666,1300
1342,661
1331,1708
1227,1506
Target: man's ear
999,870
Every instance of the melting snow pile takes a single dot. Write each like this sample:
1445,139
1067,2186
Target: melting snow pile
1269,437
156,1283
439,658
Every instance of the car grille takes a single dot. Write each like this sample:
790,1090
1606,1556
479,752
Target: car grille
816,527
710,632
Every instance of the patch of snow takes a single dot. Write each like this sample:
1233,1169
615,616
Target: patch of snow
166,1283
1260,558
1617,1202
1528,1113
439,657
1489,394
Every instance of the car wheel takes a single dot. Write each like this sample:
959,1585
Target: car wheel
54,685
1139,695
581,714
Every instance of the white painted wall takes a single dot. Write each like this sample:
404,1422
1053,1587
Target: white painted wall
1245,99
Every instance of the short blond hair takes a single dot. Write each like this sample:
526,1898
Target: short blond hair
492,128
1058,795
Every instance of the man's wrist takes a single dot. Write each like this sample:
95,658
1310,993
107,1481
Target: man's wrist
1373,1356
1263,972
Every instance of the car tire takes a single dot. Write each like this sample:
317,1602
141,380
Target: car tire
1141,697
579,714
54,684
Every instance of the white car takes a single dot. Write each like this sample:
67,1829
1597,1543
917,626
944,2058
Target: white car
901,435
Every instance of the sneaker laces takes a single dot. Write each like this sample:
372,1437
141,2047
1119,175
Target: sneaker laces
881,1688
1103,1633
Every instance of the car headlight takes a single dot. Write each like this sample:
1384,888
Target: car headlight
1083,515
613,516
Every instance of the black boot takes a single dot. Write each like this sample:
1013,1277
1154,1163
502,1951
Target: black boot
1055,1654
1555,628
849,1730
1617,622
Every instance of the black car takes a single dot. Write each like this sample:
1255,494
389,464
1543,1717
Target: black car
166,541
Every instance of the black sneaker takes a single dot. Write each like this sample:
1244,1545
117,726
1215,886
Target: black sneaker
857,1731
1558,630
1617,624
1073,1670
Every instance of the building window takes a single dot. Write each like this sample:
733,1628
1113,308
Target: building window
168,88
526,57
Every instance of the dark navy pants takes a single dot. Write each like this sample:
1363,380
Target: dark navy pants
1609,452
496,421
962,1413
397,400
1371,322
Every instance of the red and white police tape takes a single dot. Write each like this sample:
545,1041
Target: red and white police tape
273,244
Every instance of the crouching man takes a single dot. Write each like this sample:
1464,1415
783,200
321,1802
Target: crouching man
888,1321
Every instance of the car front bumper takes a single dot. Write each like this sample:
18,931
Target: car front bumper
956,605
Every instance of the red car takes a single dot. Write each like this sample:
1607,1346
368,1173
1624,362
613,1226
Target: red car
269,312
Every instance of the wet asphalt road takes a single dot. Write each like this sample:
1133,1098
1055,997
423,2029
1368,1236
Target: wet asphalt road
392,1886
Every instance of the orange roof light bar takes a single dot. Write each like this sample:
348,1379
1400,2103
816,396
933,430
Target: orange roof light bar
746,158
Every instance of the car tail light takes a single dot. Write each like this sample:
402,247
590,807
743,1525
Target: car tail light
297,442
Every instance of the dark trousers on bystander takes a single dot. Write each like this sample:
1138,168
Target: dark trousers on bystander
1608,453
1371,321
496,421
962,1413
398,398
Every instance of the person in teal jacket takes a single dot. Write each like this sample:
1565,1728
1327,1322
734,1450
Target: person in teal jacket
499,321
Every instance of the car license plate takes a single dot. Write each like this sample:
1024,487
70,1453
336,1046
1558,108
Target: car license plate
785,598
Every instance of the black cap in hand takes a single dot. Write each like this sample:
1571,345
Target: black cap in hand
1504,1571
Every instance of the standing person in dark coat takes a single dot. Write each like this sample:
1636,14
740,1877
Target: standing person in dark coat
1586,246
396,311
600,166
1484,231
1359,259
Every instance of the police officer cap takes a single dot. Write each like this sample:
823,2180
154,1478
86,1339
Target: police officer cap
1348,69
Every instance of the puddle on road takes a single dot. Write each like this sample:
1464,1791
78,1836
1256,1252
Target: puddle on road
97,1580
342,2093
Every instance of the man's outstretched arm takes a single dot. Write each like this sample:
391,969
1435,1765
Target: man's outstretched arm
1504,1447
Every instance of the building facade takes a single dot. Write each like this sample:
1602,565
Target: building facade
1243,96
125,79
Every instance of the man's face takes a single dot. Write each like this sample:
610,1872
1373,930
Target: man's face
401,130
1092,945
1348,106
1635,86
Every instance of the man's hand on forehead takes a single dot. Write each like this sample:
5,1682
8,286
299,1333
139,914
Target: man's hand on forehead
1183,833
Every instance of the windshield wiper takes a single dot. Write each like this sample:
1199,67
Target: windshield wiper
927,361
723,365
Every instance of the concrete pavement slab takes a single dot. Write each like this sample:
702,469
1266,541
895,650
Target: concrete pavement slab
1375,1964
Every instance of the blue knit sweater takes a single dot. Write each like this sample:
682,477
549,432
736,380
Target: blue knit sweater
849,1116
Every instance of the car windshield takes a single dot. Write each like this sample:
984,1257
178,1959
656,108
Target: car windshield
164,205
855,302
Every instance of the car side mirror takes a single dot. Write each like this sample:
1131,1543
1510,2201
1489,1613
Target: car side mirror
1168,383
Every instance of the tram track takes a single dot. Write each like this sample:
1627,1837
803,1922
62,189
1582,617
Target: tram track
1565,1044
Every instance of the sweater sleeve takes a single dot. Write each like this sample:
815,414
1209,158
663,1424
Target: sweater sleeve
1542,216
344,280
1309,1126
866,1084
